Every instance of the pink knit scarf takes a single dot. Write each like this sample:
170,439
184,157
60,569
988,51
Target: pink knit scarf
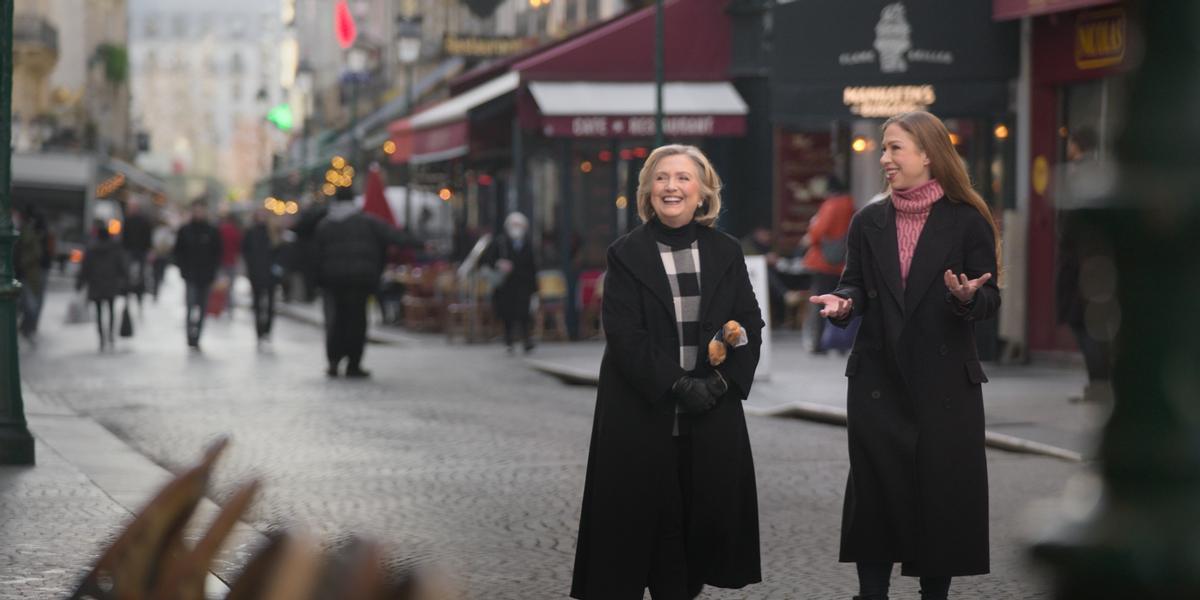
912,209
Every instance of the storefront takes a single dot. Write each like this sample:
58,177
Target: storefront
560,132
1080,54
844,67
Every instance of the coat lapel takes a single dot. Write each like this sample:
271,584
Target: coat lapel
930,254
882,237
641,257
713,265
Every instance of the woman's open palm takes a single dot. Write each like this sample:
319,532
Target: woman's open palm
963,287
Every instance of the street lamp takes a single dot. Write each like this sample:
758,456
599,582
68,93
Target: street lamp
16,444
408,50
356,64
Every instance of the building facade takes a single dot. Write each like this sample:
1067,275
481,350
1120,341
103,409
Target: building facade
204,76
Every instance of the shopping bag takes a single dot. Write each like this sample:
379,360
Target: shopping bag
217,297
126,323
77,309
836,338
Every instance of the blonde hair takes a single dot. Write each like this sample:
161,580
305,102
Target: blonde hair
710,183
933,139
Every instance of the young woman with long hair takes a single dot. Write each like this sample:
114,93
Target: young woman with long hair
920,270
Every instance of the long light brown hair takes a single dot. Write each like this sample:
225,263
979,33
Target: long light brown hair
710,183
933,139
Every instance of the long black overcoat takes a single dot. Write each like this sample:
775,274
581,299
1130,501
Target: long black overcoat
631,446
917,492
510,300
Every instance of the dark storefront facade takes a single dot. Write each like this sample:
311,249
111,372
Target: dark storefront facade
1080,54
560,133
838,69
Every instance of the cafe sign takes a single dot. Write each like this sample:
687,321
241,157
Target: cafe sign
643,126
1100,38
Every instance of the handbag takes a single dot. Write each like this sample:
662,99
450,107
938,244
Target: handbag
126,323
837,338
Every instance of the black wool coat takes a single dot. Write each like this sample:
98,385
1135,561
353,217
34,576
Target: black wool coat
105,270
632,445
511,298
917,491
198,252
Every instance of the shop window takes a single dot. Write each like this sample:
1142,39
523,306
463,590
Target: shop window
1088,126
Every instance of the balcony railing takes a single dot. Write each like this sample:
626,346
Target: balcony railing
34,29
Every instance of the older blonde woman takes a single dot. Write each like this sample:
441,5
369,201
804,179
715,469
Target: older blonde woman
670,502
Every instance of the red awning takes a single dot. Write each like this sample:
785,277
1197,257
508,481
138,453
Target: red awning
697,47
401,133
1003,10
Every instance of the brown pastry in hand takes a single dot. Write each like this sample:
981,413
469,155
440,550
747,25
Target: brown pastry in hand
716,352
733,332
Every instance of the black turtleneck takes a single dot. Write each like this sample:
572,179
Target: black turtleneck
675,237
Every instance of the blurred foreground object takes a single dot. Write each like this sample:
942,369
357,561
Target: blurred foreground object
1136,535
150,559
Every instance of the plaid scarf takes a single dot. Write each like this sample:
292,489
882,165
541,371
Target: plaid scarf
683,273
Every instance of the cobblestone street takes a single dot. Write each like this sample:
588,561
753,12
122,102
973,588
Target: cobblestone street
454,455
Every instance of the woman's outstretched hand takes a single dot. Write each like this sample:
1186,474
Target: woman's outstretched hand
963,287
833,306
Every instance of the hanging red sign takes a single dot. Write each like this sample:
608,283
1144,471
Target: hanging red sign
343,25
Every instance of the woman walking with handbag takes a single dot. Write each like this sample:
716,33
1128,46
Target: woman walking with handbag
669,501
104,272
920,271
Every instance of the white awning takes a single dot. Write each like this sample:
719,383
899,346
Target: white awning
457,107
586,98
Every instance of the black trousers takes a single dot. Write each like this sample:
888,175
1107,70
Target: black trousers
874,579
105,330
197,307
345,325
263,299
1097,355
669,577
512,327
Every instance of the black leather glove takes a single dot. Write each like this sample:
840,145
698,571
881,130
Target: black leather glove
698,395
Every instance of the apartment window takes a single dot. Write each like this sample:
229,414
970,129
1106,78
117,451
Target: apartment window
150,26
236,65
235,92
179,25
593,10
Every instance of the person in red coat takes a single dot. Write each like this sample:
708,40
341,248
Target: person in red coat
826,254
231,250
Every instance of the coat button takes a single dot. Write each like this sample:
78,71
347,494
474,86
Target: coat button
943,350
872,293
946,402
875,394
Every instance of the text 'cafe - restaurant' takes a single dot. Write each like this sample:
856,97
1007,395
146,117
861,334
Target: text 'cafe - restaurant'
560,132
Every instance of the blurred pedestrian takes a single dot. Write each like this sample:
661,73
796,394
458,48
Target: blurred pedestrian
305,250
164,242
917,491
29,262
198,255
350,249
136,237
260,250
511,255
1081,189
826,254
669,500
231,249
105,274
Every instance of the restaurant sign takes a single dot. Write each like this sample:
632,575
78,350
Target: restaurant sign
643,126
885,101
476,46
1100,38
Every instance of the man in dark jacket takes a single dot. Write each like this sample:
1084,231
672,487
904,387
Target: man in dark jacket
197,254
136,238
260,251
351,247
